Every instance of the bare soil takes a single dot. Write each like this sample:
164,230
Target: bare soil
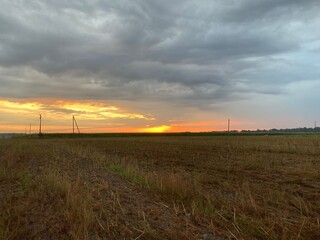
122,209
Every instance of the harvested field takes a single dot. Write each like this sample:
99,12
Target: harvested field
161,187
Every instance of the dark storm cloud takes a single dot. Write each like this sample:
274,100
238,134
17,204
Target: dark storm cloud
180,51
248,10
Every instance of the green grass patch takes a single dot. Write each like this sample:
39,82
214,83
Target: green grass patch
129,173
25,179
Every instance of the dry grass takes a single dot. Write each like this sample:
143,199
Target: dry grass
76,199
243,187
250,187
41,200
54,190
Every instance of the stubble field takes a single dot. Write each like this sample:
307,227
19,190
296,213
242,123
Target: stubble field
161,187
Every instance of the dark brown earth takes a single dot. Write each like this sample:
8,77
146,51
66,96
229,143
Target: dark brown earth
122,210
161,187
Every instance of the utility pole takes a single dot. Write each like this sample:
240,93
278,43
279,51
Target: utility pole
72,124
228,125
30,129
315,124
40,125
75,122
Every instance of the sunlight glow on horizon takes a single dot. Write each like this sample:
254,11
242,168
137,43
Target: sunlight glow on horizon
156,129
46,128
16,115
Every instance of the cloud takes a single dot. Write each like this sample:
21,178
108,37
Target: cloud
64,109
183,53
264,10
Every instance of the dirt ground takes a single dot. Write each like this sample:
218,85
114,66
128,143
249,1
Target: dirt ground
32,208
265,187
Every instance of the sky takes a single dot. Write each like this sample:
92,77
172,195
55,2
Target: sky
159,66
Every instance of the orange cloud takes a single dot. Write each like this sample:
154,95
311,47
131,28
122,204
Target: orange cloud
58,108
19,107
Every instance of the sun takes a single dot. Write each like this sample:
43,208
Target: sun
157,129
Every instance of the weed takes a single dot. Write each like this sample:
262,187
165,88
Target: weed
130,173
25,180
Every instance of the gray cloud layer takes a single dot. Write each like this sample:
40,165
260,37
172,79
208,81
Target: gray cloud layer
190,52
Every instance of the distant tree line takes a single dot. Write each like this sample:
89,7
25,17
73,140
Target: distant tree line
285,130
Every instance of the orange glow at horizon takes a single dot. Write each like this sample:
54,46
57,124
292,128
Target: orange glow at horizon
156,129
114,128
93,116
